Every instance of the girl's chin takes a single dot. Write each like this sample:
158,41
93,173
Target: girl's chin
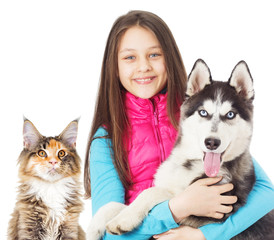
145,91
144,95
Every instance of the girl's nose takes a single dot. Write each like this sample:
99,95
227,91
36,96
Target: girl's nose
144,65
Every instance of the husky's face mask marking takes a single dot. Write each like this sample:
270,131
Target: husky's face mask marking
216,116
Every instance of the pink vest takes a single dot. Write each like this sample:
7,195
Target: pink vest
153,137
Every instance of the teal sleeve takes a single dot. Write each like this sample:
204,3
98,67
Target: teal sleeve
106,187
261,195
105,183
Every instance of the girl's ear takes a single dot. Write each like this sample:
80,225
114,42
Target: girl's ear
31,135
242,81
69,135
199,77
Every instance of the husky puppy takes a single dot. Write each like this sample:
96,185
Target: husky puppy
215,134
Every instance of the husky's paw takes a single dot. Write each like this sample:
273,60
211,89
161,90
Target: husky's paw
123,223
94,232
97,226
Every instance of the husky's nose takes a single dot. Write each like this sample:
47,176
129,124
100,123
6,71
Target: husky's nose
212,143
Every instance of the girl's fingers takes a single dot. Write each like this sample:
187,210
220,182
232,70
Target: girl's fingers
208,181
228,199
160,235
217,215
225,209
165,237
225,188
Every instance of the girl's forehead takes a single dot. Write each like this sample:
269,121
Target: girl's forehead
136,38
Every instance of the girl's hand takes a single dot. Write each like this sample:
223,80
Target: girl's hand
181,233
203,199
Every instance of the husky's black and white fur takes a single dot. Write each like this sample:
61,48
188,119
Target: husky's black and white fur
214,139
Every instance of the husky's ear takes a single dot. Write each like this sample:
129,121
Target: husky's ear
199,77
242,81
31,135
69,135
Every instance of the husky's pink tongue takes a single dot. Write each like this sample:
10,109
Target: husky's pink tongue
212,162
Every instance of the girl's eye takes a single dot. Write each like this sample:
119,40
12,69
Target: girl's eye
130,58
61,154
230,115
154,55
203,113
42,153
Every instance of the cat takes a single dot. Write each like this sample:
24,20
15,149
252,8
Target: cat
49,200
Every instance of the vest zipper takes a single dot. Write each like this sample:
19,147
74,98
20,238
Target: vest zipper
155,118
157,131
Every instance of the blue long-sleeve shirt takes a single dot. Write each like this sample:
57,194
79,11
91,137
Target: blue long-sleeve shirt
106,187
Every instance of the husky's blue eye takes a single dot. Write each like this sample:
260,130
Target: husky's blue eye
230,115
203,113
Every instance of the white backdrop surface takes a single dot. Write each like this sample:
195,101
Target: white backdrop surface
51,53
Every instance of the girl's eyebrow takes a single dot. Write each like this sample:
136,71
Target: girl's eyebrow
127,50
154,47
132,49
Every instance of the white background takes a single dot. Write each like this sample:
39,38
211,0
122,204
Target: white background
51,53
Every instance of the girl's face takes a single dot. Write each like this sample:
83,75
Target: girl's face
141,63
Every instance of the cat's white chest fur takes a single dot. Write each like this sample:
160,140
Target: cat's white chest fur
54,196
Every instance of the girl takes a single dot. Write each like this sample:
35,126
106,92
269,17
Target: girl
143,81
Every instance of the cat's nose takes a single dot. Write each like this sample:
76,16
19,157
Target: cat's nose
53,162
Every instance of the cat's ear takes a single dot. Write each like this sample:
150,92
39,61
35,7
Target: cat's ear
31,135
69,135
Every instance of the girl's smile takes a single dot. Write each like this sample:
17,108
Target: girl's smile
144,80
141,63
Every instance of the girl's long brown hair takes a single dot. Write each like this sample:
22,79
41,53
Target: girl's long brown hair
109,110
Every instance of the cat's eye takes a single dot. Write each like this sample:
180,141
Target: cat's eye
42,153
61,154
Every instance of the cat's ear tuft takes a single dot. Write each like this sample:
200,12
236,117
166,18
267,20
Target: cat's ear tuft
69,135
31,135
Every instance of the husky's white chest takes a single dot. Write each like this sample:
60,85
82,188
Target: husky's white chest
175,177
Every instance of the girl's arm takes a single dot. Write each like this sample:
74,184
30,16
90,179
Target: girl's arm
106,187
262,195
